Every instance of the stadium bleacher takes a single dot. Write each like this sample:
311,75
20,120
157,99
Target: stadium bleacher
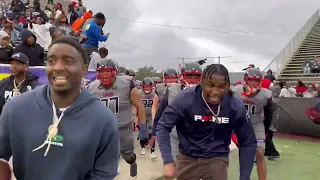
305,45
308,49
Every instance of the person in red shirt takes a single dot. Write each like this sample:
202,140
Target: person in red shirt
266,82
300,88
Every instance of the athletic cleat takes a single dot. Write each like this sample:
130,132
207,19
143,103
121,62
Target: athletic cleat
153,156
143,151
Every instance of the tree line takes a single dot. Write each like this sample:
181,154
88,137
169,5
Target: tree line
145,71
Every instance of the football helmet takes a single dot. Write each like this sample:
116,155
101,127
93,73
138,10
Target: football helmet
156,80
130,72
107,71
170,75
188,71
252,81
147,85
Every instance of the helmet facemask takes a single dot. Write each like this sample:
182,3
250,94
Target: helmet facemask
106,75
252,85
147,89
171,79
190,79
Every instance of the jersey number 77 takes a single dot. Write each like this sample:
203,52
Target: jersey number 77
113,99
251,109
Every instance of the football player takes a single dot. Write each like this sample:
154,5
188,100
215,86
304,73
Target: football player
120,95
190,76
170,75
156,81
147,94
130,72
258,102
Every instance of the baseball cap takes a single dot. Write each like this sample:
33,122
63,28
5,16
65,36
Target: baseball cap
19,57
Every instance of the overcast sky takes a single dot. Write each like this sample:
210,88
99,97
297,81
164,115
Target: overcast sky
275,22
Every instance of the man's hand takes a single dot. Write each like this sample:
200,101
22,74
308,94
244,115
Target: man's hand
169,171
152,141
107,34
5,171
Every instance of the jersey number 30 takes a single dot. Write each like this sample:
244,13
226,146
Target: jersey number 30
147,102
251,109
113,99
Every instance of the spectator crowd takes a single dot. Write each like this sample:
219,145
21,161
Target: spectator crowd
25,28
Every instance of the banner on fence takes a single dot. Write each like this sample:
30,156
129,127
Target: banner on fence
40,71
293,118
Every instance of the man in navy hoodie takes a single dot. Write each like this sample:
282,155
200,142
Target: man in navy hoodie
30,48
190,76
60,131
205,117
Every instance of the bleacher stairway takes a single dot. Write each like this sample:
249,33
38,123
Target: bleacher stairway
288,64
309,48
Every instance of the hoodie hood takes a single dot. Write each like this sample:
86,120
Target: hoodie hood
83,100
87,15
31,77
25,34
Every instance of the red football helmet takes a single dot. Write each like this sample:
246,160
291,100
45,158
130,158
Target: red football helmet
252,81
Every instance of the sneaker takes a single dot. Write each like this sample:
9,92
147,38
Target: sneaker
143,151
153,156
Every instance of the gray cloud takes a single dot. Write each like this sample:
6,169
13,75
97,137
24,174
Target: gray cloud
277,20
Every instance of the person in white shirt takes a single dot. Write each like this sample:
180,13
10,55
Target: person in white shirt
310,93
98,57
287,91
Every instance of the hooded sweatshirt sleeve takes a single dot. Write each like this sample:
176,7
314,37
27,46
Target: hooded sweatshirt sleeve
5,148
172,114
163,104
105,166
247,141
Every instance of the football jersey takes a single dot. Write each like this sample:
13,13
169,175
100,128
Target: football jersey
116,97
147,100
160,90
255,104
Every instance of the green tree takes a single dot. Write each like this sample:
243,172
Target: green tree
147,71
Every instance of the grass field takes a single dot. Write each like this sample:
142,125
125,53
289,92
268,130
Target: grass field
300,160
